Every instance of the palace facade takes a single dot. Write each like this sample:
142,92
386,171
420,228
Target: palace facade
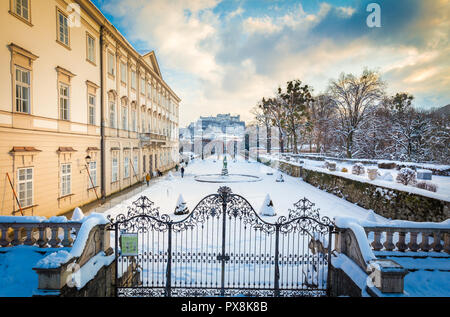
82,114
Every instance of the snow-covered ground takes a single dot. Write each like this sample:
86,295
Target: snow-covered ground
165,192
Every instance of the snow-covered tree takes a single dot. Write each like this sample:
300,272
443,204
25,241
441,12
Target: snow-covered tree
295,101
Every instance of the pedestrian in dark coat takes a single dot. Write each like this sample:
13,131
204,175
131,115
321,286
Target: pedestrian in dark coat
182,172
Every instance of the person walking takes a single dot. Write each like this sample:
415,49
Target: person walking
147,179
182,172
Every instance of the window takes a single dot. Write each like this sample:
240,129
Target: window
142,88
91,109
63,29
133,79
143,121
133,120
66,179
148,123
114,170
143,165
25,186
112,114
149,91
123,72
124,118
90,48
22,9
93,174
111,64
22,90
135,164
126,167
63,102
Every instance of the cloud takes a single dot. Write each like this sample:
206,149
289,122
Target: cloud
225,60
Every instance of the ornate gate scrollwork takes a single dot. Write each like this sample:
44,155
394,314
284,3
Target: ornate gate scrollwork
222,248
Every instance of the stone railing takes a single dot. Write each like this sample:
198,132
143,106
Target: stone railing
360,241
77,254
42,234
440,239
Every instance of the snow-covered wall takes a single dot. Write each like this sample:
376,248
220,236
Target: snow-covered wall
388,202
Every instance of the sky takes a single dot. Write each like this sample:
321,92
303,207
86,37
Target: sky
223,56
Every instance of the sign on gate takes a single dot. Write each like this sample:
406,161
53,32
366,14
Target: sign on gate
129,244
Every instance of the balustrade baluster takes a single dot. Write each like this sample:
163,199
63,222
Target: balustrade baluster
376,244
413,246
447,242
388,243
401,245
16,240
425,245
42,241
29,239
4,242
437,245
67,241
54,241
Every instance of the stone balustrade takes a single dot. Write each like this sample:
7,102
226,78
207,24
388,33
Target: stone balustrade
407,239
42,234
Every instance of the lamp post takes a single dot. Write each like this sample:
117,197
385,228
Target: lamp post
88,160
202,146
257,142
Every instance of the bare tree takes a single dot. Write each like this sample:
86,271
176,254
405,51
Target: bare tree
354,97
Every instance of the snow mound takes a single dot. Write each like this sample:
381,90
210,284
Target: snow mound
280,178
181,208
371,216
387,177
54,260
267,207
77,214
170,176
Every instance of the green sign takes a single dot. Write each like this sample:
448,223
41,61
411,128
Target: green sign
129,244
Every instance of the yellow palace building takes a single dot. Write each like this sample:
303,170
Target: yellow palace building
82,113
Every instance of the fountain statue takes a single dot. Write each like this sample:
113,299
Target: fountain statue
224,168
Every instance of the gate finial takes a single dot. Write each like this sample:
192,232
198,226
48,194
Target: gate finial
224,191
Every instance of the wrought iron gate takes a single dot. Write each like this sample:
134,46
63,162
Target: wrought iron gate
222,248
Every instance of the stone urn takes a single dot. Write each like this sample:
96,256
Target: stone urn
372,173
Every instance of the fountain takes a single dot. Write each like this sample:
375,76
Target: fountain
226,177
